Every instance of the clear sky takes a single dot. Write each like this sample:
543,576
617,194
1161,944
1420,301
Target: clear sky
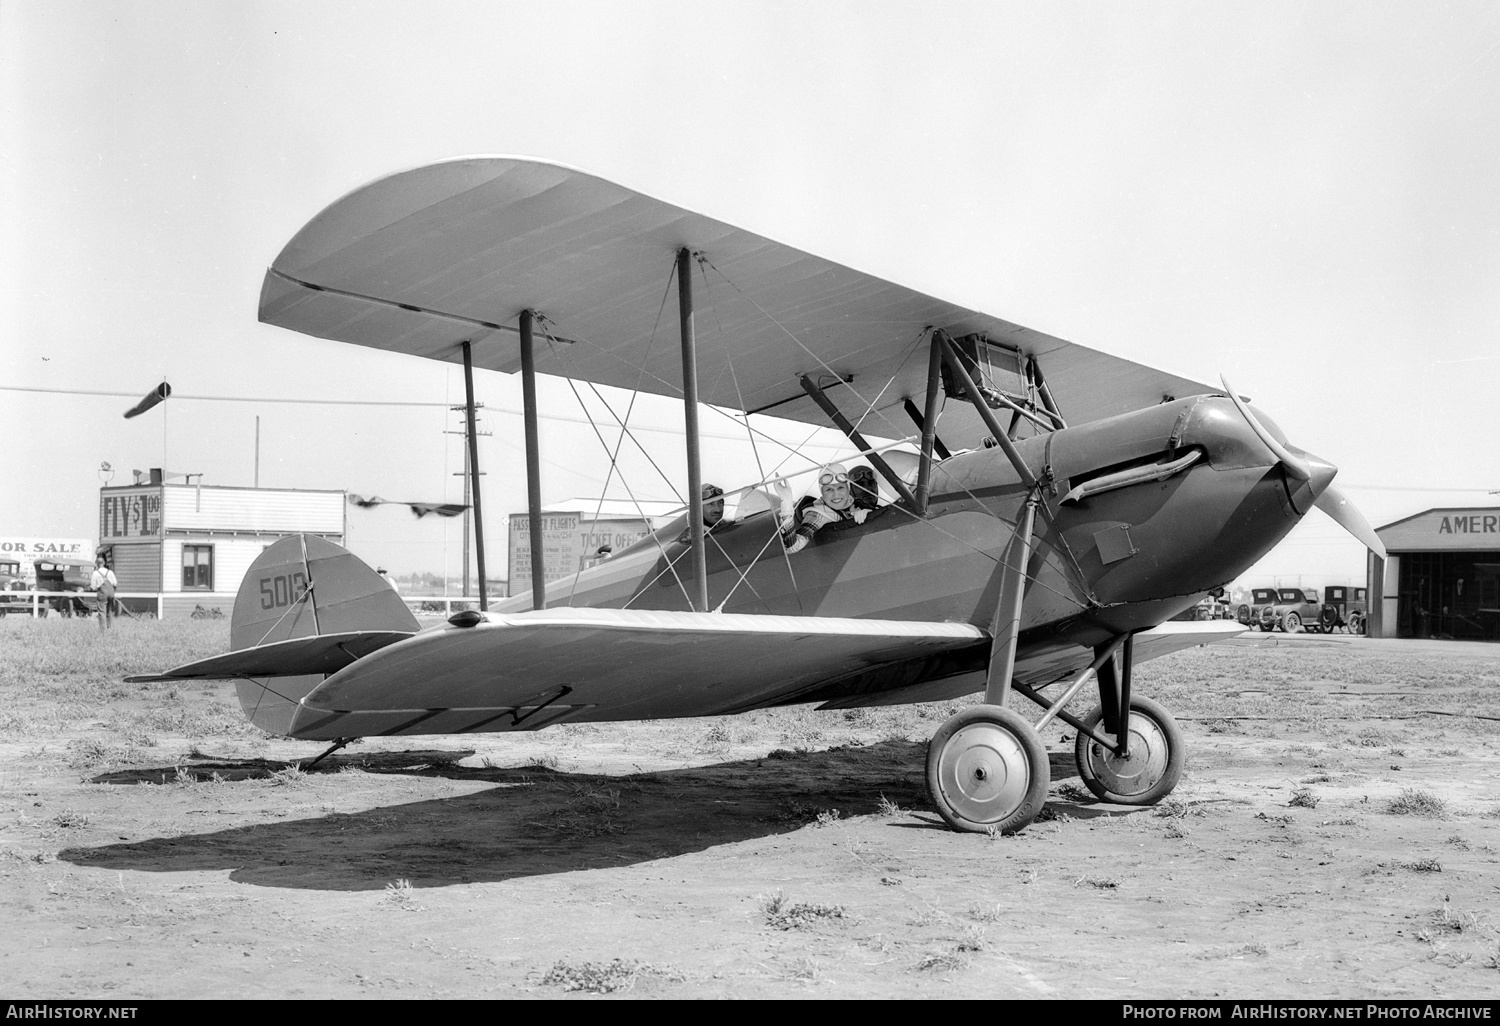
1299,195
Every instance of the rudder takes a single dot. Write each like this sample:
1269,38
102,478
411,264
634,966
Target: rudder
301,586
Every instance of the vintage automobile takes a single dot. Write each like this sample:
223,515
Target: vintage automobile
1248,613
1293,608
71,577
1286,608
1213,606
1343,607
11,582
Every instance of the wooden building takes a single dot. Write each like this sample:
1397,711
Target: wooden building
176,547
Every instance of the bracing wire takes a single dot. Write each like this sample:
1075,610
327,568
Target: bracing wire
624,429
623,482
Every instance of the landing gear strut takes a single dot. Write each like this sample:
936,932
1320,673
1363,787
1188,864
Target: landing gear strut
987,768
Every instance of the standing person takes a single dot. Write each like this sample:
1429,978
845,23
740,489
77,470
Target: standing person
388,579
103,583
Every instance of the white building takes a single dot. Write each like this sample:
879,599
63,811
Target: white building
175,547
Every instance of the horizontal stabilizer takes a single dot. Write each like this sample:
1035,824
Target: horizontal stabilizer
322,654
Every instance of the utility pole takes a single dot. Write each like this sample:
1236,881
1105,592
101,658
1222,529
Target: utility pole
467,428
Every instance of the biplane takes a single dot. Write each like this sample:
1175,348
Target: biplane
1057,505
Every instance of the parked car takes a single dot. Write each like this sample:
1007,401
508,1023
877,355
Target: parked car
1293,608
1343,607
10,583
70,576
1213,606
1249,612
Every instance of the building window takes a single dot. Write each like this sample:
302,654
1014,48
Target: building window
197,568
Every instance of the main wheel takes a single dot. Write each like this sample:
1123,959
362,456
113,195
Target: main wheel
987,770
1153,767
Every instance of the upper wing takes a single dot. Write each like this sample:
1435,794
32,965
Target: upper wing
527,670
423,260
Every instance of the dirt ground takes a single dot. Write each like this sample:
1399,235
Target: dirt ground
1335,835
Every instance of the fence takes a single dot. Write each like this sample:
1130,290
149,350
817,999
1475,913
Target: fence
158,605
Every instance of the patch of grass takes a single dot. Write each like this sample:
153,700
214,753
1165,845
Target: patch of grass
402,896
1427,865
70,819
1103,883
1071,792
985,913
289,776
1374,737
785,914
790,810
594,977
589,812
1237,951
1458,841
888,808
1172,808
799,970
1414,801
1303,798
1449,921
974,938
828,817
943,961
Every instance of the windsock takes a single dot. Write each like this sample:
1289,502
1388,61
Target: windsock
151,398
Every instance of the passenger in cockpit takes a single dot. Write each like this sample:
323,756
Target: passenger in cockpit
836,504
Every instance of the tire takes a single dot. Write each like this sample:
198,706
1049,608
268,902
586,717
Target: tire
1356,623
1157,757
1291,623
987,770
1328,619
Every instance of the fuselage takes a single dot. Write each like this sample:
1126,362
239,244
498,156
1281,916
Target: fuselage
1124,559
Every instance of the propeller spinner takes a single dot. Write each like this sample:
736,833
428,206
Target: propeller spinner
1330,500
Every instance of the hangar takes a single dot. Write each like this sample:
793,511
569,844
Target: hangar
1440,577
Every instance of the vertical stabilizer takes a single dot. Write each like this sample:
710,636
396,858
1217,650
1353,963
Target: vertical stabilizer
299,587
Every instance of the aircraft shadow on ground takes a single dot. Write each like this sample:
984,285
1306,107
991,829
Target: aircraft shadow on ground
532,821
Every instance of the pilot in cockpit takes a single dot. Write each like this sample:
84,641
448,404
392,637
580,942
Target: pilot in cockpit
713,511
862,487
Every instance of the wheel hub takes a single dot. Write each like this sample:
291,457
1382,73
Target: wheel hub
1139,771
984,773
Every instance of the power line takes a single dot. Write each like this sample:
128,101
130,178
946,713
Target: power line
178,397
